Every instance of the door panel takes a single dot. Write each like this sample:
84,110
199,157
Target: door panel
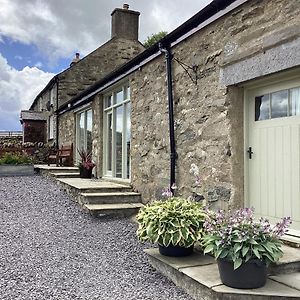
274,170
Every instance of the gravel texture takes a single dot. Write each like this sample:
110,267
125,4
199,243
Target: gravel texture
49,249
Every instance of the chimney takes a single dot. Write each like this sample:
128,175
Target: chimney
75,60
125,23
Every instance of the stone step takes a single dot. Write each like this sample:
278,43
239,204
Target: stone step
110,197
65,175
198,275
290,261
123,209
52,168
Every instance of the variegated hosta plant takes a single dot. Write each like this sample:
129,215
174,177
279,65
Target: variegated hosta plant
171,222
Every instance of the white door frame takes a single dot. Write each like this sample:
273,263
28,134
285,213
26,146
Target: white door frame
112,110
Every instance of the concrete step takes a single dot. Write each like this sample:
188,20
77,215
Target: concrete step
43,169
124,209
198,275
65,175
111,197
290,261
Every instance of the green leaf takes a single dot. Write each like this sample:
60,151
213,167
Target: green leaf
245,250
237,263
237,247
256,252
208,249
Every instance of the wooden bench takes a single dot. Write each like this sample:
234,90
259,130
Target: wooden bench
63,156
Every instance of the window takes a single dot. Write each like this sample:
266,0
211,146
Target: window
117,133
84,124
51,127
280,104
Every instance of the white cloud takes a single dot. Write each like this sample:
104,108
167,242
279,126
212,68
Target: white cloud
61,27
18,89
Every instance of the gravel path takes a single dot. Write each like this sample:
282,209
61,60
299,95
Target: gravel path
49,249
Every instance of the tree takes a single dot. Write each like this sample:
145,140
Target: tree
154,38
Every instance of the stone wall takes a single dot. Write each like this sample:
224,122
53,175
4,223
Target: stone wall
97,135
66,130
95,66
208,115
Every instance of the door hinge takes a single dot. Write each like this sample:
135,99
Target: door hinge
250,152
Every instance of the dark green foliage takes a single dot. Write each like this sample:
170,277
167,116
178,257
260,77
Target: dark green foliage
15,159
154,38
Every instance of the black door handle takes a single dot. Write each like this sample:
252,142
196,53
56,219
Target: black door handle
250,152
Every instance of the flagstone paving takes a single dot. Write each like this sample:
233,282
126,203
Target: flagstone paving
49,249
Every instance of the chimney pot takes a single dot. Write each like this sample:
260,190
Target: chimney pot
125,6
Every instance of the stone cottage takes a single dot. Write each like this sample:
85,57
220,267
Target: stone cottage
221,91
84,72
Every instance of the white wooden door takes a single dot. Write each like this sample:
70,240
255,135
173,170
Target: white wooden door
274,157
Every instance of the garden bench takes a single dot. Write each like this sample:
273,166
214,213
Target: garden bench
63,156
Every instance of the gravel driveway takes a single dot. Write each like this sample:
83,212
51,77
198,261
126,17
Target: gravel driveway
49,249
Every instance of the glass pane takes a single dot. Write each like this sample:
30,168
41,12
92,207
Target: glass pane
262,107
107,102
279,104
128,138
81,122
119,97
89,125
119,136
109,141
295,102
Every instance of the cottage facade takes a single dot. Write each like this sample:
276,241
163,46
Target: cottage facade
233,79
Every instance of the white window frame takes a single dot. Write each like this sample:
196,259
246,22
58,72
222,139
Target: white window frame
111,110
51,127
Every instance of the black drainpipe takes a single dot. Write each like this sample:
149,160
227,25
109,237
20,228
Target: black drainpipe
173,155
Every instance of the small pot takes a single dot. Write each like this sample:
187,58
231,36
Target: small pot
176,251
250,275
85,173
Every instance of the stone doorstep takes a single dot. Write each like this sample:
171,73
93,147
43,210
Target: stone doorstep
111,197
113,206
122,209
198,275
91,184
65,175
54,168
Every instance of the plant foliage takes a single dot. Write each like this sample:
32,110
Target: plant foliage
238,238
175,222
15,159
154,38
85,159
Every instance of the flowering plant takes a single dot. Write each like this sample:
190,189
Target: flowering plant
238,238
86,160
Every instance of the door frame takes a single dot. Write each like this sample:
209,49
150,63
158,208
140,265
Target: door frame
112,110
280,81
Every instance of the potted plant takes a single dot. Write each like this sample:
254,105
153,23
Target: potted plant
16,164
86,164
243,247
174,224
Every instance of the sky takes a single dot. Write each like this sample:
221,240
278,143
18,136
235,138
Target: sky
38,39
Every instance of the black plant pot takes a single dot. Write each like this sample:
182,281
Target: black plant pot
175,251
85,173
250,275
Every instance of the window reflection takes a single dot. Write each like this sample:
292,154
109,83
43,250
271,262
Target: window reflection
262,108
279,104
